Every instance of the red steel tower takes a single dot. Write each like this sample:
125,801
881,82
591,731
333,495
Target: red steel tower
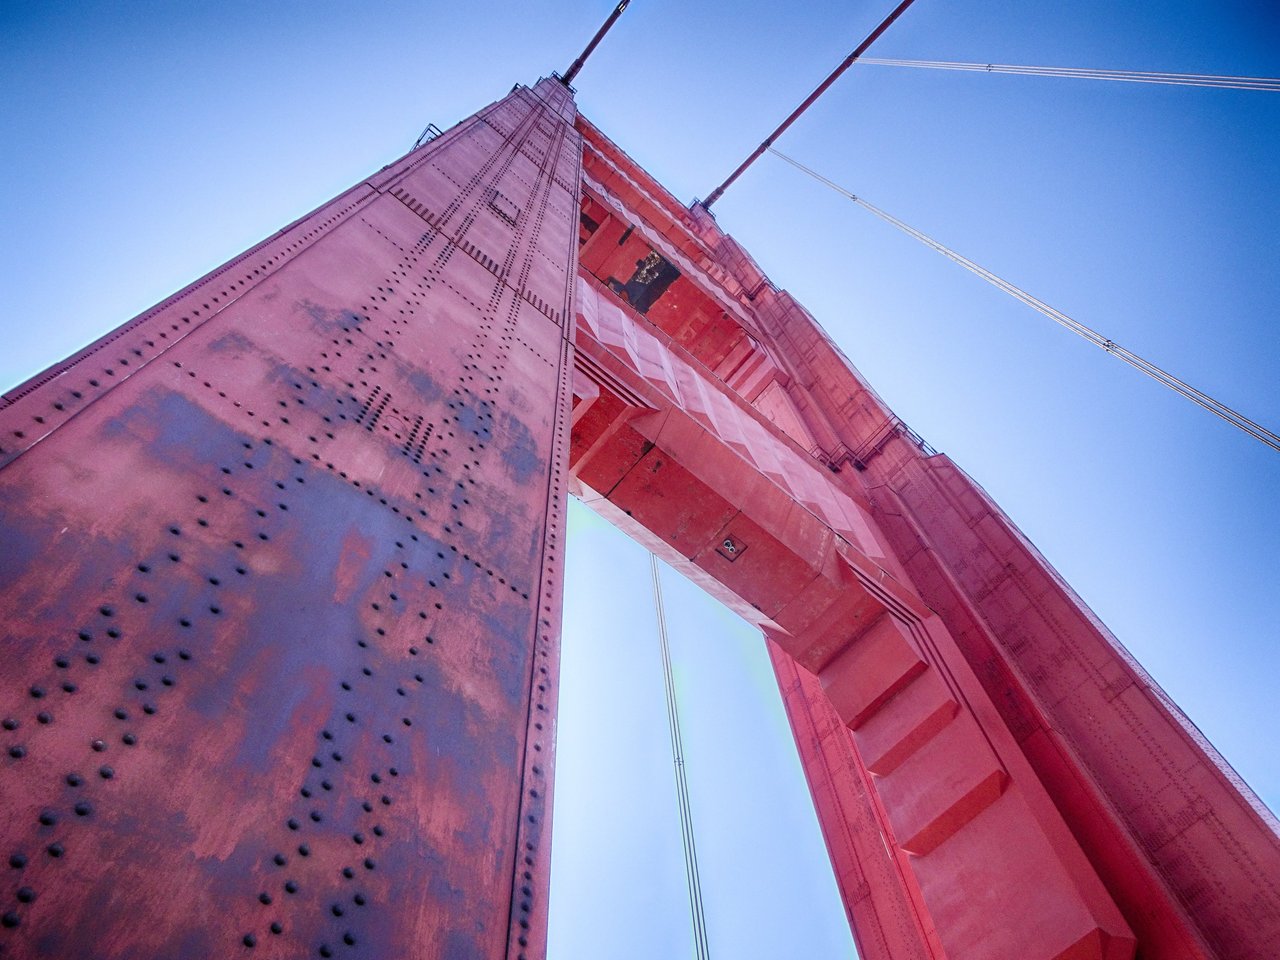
281,585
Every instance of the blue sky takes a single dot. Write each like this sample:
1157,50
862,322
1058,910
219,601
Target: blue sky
149,142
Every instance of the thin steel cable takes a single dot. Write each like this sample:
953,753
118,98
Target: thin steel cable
702,949
1271,84
1217,408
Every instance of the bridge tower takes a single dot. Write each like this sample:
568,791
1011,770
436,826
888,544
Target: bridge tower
281,582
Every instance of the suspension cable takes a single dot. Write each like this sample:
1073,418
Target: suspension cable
1233,417
702,950
832,77
1271,84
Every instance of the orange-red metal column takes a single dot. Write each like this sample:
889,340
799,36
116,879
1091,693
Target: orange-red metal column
280,576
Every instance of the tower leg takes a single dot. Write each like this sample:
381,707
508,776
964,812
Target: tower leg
280,582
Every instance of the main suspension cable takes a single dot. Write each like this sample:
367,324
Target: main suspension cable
702,949
818,91
1231,416
1271,84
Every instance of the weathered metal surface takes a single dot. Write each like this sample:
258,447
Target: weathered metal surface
280,583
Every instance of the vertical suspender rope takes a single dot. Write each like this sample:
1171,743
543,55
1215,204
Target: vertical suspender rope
701,947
